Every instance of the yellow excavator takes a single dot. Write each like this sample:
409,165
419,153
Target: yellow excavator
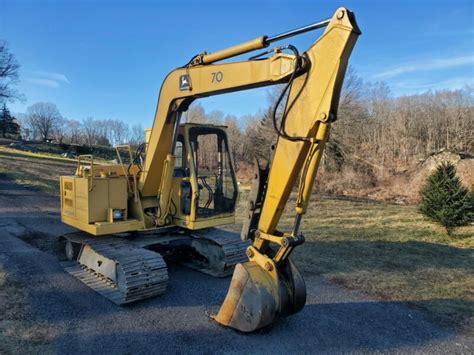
166,199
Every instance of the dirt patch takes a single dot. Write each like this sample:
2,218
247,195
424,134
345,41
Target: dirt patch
401,187
464,167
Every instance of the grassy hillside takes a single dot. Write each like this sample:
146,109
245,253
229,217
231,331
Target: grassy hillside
58,149
39,171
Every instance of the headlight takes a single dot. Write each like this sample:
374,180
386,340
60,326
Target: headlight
117,214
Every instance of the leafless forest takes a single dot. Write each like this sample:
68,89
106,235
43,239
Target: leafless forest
375,141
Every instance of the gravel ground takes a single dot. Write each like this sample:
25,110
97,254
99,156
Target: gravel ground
77,320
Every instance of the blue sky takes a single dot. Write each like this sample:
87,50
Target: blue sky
107,59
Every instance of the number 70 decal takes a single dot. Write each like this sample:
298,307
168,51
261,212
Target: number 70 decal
217,77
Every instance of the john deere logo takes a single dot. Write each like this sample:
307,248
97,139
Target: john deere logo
184,82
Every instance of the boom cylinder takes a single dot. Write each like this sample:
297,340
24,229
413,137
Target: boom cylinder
259,43
245,47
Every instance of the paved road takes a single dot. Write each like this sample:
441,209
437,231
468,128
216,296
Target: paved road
80,321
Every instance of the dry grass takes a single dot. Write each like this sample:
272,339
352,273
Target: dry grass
390,251
49,156
17,333
25,180
39,171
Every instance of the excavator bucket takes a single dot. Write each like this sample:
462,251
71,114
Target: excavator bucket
257,295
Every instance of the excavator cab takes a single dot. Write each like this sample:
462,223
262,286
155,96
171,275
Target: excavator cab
204,175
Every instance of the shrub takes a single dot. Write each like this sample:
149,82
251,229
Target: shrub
64,146
445,200
83,149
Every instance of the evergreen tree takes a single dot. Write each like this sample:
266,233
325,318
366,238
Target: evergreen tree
445,200
5,119
8,126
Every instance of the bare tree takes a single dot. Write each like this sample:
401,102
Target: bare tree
25,129
195,114
8,74
59,130
43,118
97,132
215,117
89,130
235,137
119,132
73,131
137,134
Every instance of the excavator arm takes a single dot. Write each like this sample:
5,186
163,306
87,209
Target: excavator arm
270,285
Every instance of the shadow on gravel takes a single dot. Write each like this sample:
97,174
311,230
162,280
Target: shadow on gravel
147,326
77,302
178,320
44,242
371,325
321,328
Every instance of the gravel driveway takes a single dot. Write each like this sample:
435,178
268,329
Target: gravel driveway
77,320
